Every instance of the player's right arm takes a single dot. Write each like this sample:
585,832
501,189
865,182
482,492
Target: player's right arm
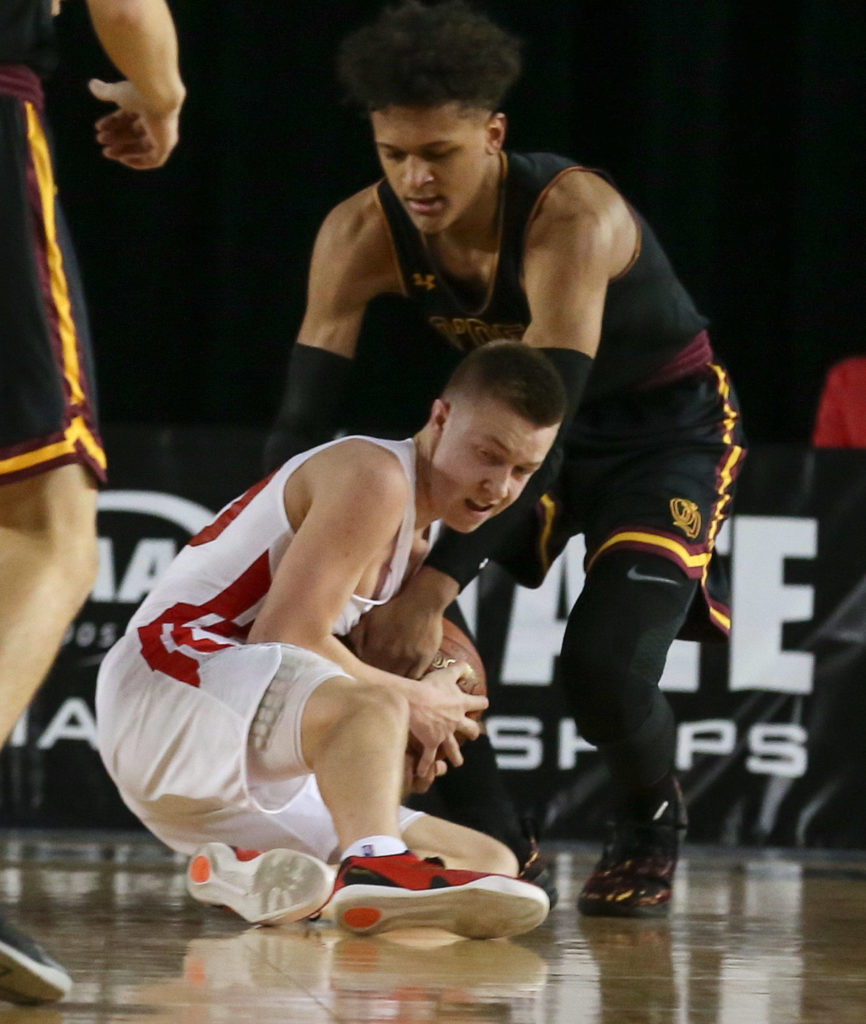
139,38
352,263
341,539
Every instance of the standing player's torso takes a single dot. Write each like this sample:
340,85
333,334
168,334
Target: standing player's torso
472,296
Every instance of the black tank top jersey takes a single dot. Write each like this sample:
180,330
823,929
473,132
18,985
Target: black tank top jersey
27,34
648,316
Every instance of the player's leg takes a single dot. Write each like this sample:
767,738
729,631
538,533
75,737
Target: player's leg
47,437
48,563
458,846
353,737
48,555
613,655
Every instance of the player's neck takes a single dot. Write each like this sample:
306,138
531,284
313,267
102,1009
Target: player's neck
425,513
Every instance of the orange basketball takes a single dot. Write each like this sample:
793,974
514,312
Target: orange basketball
456,646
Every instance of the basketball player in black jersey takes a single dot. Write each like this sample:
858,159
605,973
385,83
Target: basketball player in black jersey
51,456
487,244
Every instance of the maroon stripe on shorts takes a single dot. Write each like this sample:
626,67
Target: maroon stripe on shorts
22,82
687,361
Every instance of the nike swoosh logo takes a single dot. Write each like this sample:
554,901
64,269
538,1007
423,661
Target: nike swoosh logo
635,574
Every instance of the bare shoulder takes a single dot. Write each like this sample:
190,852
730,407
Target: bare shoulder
354,245
367,468
581,209
355,480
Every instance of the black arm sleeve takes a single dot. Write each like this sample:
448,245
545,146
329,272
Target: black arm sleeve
313,405
462,555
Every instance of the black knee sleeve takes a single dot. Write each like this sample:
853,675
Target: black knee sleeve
647,755
613,655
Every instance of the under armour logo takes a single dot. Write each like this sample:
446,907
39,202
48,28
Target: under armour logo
427,281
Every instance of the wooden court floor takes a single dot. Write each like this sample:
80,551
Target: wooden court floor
754,938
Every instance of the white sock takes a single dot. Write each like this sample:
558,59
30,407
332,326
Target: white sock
375,846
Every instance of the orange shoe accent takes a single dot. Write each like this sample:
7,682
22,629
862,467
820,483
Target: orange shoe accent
243,854
361,917
199,870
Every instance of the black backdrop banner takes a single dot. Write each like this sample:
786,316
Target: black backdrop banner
770,740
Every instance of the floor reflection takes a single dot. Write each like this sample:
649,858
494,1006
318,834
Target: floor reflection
753,939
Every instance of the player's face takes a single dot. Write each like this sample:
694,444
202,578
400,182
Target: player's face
440,161
485,453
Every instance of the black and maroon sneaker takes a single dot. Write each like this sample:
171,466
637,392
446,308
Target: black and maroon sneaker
634,876
378,894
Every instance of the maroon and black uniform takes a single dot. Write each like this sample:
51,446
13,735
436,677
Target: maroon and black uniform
46,369
653,452
647,471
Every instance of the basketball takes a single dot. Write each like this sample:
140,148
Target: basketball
456,646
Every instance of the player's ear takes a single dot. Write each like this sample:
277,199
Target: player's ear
439,414
496,127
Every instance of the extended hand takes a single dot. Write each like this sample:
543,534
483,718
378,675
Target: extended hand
134,134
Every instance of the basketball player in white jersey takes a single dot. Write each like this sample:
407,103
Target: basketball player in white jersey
233,719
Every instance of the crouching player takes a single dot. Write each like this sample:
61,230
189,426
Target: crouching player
232,718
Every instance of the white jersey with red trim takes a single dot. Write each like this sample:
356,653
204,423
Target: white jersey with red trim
209,597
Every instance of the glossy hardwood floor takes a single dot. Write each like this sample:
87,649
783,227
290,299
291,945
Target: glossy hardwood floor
754,938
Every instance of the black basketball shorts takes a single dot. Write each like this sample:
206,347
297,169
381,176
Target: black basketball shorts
652,471
47,410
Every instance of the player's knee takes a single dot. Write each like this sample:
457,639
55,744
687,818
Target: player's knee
610,692
617,641
382,711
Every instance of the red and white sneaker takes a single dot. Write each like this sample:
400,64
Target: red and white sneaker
379,894
274,887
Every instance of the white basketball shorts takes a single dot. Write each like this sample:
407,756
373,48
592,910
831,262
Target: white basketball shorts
179,753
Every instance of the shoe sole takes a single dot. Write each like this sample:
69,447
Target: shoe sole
489,908
277,887
27,981
610,908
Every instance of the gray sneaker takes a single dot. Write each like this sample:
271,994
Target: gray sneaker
27,973
274,887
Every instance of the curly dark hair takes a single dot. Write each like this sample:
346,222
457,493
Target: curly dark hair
420,55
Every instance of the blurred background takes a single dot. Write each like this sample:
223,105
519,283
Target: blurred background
736,128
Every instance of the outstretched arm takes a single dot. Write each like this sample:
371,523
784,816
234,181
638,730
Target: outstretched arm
351,264
341,540
140,39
